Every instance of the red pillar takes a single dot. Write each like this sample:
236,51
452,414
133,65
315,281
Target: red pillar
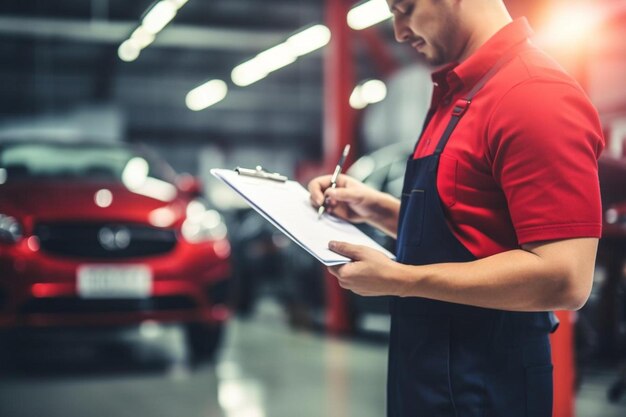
379,52
338,130
564,366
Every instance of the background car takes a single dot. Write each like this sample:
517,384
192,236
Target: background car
100,235
382,170
257,258
267,264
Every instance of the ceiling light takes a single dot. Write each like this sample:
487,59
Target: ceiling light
258,67
247,73
373,91
178,3
280,55
128,50
206,95
368,14
356,100
142,37
153,22
309,39
369,92
275,58
159,16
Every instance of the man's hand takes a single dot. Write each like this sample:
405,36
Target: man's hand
371,273
351,200
356,202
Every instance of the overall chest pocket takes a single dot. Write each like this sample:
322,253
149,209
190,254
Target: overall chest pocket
413,218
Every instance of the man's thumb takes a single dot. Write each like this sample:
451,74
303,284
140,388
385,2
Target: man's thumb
346,249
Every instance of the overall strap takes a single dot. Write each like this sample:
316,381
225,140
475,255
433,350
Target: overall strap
461,105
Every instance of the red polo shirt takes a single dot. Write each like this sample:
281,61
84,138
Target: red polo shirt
521,166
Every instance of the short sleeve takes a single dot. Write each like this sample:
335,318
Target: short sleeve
544,156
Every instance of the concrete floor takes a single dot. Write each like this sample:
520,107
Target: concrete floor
265,370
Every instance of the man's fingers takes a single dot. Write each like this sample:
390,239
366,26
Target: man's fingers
334,270
316,201
348,250
320,190
316,190
343,195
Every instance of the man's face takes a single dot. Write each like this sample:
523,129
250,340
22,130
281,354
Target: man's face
429,26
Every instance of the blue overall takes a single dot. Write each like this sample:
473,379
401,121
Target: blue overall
452,360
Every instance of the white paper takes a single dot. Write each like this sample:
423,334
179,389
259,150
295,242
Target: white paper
286,205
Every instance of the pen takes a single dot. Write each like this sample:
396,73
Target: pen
333,180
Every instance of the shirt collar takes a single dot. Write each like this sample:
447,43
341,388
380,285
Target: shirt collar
473,68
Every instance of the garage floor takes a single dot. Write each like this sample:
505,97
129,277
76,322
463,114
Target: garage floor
265,370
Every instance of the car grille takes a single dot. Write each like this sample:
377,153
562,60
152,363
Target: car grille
70,305
104,240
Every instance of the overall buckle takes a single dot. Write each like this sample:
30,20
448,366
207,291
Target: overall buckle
460,107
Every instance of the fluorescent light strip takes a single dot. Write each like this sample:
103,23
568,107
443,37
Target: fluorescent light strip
368,14
142,37
373,91
178,3
281,55
206,95
369,92
153,22
159,16
309,39
275,58
304,42
128,50
356,99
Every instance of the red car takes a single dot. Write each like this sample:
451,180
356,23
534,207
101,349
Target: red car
108,235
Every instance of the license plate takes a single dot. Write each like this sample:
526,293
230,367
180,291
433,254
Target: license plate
105,281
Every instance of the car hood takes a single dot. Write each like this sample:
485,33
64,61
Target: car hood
59,201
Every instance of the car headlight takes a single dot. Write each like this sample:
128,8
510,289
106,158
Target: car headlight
202,224
10,229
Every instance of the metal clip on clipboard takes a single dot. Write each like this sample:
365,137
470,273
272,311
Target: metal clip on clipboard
259,172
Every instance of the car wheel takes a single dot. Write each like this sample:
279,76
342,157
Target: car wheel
203,341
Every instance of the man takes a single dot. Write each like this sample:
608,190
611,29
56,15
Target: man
498,223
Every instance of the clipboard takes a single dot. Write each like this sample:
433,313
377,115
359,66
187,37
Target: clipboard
286,205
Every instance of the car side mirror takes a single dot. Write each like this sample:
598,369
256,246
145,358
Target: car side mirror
189,184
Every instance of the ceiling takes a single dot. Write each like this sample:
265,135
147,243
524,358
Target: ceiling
60,55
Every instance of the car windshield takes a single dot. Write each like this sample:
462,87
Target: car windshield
86,162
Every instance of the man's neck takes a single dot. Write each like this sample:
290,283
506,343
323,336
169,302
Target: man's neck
483,23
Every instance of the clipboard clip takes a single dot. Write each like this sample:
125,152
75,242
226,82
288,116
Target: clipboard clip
259,172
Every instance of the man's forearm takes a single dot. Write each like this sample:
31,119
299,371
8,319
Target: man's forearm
385,215
517,280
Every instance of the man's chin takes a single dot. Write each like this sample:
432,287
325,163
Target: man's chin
432,56
435,60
